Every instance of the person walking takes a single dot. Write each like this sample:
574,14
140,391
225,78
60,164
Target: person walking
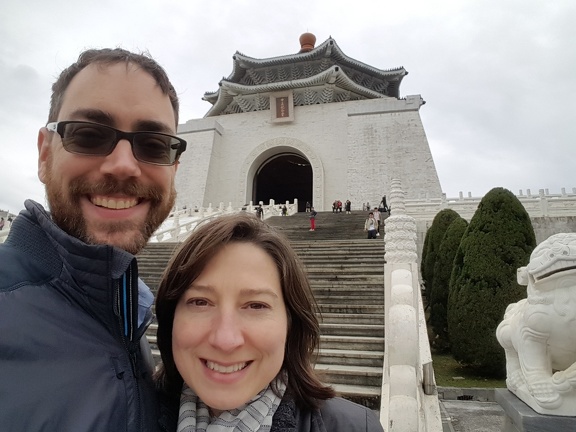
73,311
385,207
377,217
370,226
312,219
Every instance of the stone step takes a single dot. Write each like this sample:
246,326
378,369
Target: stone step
350,357
341,329
329,277
348,289
351,375
343,256
351,309
353,343
356,286
337,318
331,272
369,396
367,299
352,390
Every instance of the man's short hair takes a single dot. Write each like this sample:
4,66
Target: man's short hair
108,56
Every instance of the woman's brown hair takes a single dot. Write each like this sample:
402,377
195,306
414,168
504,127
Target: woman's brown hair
303,329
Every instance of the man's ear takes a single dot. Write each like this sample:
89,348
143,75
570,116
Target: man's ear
44,149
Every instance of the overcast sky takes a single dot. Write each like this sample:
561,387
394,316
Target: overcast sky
498,76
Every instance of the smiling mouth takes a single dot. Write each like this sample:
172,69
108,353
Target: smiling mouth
225,369
113,203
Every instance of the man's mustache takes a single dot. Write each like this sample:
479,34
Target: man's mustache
113,186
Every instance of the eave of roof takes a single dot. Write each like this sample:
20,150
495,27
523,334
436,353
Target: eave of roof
328,48
334,76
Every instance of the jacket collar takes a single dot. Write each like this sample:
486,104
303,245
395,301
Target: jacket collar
89,273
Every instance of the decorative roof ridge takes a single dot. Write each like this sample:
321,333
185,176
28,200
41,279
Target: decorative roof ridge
328,48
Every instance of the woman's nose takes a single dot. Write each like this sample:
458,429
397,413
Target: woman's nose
227,334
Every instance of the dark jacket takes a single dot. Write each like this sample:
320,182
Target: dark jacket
335,415
70,355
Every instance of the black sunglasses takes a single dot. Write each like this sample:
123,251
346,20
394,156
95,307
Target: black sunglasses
99,140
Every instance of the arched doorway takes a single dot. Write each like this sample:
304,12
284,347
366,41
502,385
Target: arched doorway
284,177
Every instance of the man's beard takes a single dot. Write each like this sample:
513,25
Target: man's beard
67,213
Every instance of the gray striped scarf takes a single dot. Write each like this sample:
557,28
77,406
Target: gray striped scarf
255,416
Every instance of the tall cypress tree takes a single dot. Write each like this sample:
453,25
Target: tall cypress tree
442,271
432,242
497,242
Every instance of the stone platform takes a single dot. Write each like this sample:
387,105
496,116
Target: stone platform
519,417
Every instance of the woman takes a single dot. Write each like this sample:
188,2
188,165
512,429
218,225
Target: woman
237,331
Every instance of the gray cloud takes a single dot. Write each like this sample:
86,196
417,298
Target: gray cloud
498,77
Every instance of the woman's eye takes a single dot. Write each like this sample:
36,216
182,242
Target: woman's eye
257,306
197,302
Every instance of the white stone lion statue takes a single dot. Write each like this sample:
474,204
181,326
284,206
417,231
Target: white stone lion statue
539,333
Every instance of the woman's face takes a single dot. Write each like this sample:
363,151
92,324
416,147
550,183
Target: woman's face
230,327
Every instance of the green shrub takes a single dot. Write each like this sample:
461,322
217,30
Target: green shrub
438,302
497,242
432,242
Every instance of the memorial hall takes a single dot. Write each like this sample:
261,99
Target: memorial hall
313,126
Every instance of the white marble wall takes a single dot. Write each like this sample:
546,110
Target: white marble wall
355,148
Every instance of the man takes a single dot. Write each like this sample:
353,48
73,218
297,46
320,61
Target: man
371,226
73,355
385,207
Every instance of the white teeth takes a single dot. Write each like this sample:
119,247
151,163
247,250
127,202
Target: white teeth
113,203
225,369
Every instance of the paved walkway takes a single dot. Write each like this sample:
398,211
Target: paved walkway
471,416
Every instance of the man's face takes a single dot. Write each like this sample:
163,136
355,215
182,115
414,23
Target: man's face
112,199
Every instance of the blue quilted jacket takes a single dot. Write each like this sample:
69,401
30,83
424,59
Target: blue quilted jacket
72,355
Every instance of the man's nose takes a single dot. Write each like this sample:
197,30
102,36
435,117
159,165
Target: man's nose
121,163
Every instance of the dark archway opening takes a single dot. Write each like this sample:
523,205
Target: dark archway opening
282,178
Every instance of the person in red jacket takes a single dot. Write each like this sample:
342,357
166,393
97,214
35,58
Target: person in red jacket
313,214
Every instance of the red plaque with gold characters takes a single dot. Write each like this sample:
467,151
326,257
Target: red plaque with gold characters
282,107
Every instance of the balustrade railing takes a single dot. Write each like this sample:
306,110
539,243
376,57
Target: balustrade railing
182,221
544,204
409,400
